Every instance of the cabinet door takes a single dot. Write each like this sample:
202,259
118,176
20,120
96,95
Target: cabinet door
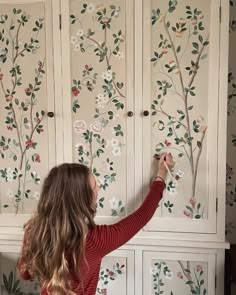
98,77
9,279
180,88
27,134
178,273
117,274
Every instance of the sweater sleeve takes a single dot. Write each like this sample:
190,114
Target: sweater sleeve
110,237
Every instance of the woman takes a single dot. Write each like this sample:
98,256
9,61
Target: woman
63,247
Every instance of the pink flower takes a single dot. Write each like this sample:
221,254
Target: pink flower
91,86
179,33
194,21
37,159
198,267
4,148
80,126
105,20
39,120
188,214
28,91
203,129
182,22
192,201
9,127
201,16
40,130
96,127
164,51
111,274
29,143
9,98
180,275
88,67
75,92
39,69
1,76
104,291
167,143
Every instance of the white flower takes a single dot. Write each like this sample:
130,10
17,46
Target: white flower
117,12
90,8
76,47
73,39
9,178
114,142
154,270
169,275
101,181
10,194
105,99
100,100
107,75
116,151
180,174
114,203
36,195
115,116
120,55
96,127
80,33
106,166
80,126
9,172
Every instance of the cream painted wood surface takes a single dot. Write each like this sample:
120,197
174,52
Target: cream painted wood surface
130,138
28,146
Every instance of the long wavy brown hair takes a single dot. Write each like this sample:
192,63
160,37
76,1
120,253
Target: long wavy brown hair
55,236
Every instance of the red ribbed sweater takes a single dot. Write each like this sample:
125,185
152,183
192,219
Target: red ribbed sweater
103,239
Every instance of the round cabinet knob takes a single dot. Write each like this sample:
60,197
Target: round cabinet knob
50,114
146,113
130,114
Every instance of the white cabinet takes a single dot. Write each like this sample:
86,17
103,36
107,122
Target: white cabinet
129,79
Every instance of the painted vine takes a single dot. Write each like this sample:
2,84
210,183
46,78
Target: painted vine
109,102
192,276
22,120
184,134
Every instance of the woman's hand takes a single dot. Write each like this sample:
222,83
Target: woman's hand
166,158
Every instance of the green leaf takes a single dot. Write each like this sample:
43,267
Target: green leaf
178,49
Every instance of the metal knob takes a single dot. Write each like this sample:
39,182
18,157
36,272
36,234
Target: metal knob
50,114
130,114
146,113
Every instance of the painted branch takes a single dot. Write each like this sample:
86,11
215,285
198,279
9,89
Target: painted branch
108,64
17,42
197,161
184,94
187,274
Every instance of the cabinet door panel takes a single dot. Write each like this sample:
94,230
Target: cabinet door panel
181,70
27,136
101,73
178,273
117,274
10,281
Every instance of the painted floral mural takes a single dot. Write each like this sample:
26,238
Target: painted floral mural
180,41
231,132
98,94
22,76
184,276
108,276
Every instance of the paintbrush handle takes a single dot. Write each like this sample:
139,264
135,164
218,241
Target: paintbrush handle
170,174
